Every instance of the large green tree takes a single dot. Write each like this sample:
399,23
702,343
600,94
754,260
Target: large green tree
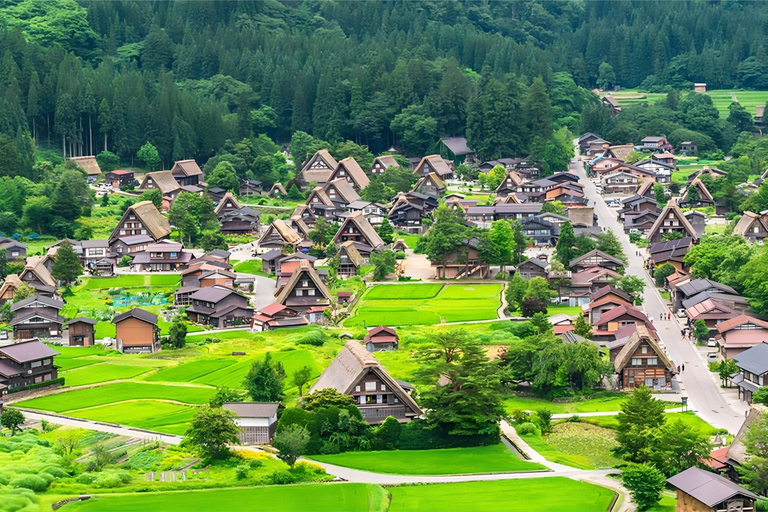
264,380
211,431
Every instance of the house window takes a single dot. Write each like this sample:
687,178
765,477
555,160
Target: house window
357,389
631,380
636,361
311,293
644,350
383,387
370,386
652,361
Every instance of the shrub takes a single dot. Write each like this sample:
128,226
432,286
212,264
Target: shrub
314,338
545,419
255,463
282,478
56,472
527,428
241,472
387,435
400,255
6,477
519,416
31,482
86,478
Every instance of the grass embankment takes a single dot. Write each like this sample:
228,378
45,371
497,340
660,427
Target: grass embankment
602,402
453,461
576,444
426,304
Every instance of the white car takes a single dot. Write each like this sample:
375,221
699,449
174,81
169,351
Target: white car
711,343
712,357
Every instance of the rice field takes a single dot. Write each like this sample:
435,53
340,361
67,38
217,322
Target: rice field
721,98
131,281
414,305
147,414
102,372
118,392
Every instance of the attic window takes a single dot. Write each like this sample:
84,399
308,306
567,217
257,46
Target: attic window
370,386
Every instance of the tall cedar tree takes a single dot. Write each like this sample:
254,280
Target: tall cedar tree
640,415
565,249
471,401
66,264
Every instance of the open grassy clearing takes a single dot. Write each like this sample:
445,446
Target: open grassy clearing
453,461
102,372
251,267
188,372
317,497
131,281
547,495
453,303
576,444
113,393
553,309
608,401
689,418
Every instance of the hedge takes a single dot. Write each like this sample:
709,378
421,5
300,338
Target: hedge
53,382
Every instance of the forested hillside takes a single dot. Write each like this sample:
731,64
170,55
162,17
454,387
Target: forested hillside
189,75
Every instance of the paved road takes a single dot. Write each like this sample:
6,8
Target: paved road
100,427
703,392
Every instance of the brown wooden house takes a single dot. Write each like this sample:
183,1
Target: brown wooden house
751,227
699,490
436,164
186,172
318,168
142,218
350,260
137,331
533,267
464,262
164,181
672,220
350,171
641,362
382,163
26,363
119,178
739,334
381,338
81,331
357,373
430,185
279,235
37,317
305,292
219,307
356,228
595,258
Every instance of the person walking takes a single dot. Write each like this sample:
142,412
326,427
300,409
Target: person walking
683,366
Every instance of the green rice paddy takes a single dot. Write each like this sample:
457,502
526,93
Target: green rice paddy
147,414
118,392
453,461
131,281
413,305
102,372
721,98
549,494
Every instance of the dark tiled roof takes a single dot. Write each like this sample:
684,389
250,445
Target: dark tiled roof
28,351
143,315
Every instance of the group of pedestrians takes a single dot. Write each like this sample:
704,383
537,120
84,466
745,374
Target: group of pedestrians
666,316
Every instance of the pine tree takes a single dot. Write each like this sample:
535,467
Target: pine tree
386,232
565,251
538,110
66,264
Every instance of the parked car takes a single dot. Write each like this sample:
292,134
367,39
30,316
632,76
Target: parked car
711,343
712,357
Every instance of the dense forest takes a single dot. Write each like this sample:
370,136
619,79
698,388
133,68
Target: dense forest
190,75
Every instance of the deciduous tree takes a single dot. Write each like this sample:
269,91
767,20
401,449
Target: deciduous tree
264,381
211,431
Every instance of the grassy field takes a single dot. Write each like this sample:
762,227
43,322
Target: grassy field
546,495
576,444
102,372
553,309
112,393
130,281
454,461
721,98
251,267
413,305
608,401
148,414
329,497
689,418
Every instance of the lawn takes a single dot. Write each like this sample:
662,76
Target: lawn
317,497
581,445
689,418
607,401
112,393
415,305
410,240
188,372
102,372
251,267
721,99
541,494
131,281
453,461
553,309
665,295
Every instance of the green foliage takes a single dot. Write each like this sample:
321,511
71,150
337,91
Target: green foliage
531,306
582,328
470,404
149,155
661,273
633,285
190,213
700,330
641,415
658,194
108,161
720,258
177,334
553,207
301,377
538,288
66,265
12,419
387,435
671,235
212,429
384,263
292,443
497,244
224,395
645,484
754,472
386,232
224,176
609,243
327,397
516,291
264,381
